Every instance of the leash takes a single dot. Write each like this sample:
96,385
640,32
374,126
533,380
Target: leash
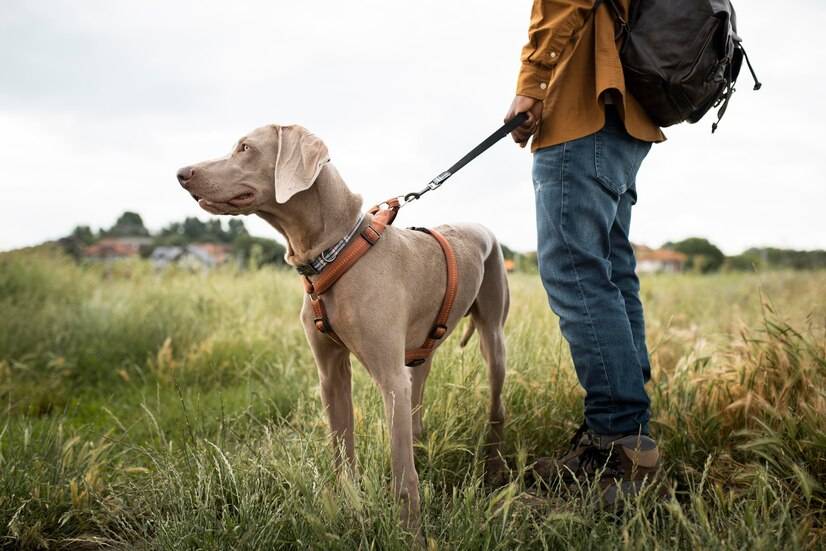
393,204
503,131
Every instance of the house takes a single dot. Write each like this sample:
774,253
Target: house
162,257
658,260
113,248
195,256
211,254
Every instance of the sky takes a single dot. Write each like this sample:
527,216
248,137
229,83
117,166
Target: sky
102,100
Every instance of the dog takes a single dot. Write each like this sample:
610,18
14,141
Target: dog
383,305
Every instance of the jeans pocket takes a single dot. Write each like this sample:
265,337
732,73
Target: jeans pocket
618,157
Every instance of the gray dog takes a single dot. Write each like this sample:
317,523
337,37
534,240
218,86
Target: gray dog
383,305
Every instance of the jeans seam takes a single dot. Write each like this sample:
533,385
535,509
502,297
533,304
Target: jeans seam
579,284
610,247
597,144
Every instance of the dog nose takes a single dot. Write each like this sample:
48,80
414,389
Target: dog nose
184,175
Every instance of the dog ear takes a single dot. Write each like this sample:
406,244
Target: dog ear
299,159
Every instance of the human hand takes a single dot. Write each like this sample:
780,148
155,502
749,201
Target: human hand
531,106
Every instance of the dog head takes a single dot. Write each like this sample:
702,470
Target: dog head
269,165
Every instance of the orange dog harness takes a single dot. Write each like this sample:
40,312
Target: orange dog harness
383,217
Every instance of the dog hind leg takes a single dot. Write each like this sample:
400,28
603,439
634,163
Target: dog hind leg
489,312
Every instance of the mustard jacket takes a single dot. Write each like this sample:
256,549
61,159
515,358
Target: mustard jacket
570,62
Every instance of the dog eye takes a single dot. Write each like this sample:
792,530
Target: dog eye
245,147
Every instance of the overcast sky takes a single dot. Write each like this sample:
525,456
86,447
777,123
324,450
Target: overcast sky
101,102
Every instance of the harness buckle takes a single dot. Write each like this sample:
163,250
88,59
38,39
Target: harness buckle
322,325
438,331
326,260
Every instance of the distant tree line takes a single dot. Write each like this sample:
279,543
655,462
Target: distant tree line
773,258
191,230
705,257
702,255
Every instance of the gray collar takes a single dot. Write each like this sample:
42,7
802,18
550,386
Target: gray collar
327,256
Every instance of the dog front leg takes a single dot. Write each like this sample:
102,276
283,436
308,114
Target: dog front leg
419,377
396,392
334,375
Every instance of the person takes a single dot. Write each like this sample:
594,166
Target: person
589,137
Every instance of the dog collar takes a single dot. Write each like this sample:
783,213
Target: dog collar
317,265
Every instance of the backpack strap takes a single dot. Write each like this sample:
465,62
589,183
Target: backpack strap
731,80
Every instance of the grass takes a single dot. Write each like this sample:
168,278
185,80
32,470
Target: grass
181,411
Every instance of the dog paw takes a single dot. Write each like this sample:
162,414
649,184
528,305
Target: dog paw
497,472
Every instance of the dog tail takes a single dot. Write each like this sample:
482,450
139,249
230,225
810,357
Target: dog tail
471,327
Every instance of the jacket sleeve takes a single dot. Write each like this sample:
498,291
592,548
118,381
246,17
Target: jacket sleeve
554,23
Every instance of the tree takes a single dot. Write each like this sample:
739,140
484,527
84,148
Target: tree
130,224
194,230
772,258
236,229
83,234
171,235
703,256
215,231
255,251
744,262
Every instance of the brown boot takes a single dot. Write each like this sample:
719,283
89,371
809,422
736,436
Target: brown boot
550,470
621,463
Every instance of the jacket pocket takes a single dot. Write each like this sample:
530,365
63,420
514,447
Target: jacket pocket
618,157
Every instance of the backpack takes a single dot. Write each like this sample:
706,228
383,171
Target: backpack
680,58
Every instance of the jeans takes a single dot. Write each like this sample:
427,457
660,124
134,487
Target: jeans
584,191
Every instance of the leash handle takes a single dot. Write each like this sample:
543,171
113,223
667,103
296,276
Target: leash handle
503,131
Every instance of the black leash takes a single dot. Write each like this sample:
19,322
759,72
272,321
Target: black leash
505,129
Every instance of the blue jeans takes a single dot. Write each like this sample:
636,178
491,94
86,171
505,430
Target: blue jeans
584,191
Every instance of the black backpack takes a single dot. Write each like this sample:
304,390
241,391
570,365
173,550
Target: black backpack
680,57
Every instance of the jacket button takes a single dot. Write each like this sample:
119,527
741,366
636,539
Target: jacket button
543,85
552,54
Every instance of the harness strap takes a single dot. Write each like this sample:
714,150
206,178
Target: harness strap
383,217
418,356
322,323
344,261
355,250
326,257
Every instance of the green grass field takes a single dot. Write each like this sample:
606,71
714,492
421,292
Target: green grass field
181,411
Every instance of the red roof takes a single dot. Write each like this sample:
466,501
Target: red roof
112,248
662,255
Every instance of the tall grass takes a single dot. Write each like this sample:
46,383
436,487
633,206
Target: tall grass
147,410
